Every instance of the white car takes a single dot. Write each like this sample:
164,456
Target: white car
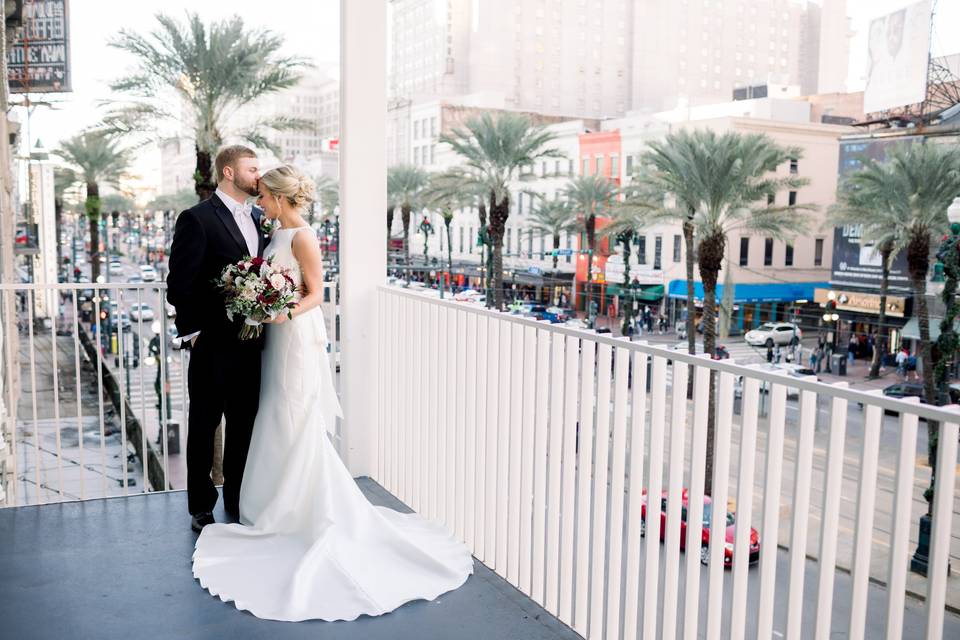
148,273
141,311
116,268
771,334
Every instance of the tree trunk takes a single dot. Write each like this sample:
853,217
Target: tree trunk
918,261
449,223
879,346
390,210
590,227
92,207
499,212
710,259
405,219
691,308
627,306
203,179
556,248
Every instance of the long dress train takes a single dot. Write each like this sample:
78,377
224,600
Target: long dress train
309,544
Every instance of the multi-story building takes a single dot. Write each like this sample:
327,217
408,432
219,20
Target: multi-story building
603,58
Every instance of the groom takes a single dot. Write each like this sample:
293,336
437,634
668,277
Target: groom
224,375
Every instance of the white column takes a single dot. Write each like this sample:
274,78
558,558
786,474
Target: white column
363,203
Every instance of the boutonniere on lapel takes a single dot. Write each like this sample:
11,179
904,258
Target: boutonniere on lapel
267,226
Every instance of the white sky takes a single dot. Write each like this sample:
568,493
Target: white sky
311,28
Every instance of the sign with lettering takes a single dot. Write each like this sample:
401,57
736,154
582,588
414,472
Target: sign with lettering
38,60
862,302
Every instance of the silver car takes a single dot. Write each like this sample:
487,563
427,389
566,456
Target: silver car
771,334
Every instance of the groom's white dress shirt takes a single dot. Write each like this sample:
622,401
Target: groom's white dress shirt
241,215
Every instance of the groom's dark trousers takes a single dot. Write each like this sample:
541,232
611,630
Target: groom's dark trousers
224,375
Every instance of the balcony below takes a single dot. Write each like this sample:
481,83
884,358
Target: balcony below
120,568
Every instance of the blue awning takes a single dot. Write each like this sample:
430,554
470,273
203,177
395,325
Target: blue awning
753,292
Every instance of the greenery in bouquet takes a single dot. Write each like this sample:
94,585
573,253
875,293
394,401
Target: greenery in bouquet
257,291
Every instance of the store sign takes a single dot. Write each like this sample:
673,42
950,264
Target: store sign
861,302
38,60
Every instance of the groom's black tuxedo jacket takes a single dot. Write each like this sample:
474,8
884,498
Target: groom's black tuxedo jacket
205,240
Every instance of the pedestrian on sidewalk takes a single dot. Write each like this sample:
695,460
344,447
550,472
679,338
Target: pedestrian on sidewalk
852,347
769,353
902,356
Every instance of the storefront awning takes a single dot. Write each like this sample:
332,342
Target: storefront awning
911,330
752,292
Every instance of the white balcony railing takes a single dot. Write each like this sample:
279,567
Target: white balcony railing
81,371
535,443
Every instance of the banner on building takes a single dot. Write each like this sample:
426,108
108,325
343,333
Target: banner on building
854,263
898,46
38,60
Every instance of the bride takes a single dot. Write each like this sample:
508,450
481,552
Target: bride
309,545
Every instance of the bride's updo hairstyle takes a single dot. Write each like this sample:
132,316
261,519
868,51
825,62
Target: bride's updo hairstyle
288,182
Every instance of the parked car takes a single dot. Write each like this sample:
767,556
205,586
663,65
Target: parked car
556,315
466,295
116,268
576,323
730,532
141,311
901,390
148,273
793,370
770,334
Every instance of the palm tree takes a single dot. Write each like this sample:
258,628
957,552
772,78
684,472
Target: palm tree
445,195
212,70
552,218
857,202
63,181
495,149
628,217
590,197
910,192
723,183
404,184
98,158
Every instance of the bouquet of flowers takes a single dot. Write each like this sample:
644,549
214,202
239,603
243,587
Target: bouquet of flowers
257,290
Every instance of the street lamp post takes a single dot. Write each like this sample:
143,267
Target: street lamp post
947,275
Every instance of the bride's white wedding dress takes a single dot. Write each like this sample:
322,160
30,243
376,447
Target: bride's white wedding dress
311,546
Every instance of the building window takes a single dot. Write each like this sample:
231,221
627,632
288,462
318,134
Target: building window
519,204
530,242
543,240
794,165
599,165
569,246
767,252
519,241
657,250
615,166
818,252
744,251
676,248
586,166
629,167
509,241
642,250
788,256
570,167
469,240
461,239
771,198
433,126
433,148
792,200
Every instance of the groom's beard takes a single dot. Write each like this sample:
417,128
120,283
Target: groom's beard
249,188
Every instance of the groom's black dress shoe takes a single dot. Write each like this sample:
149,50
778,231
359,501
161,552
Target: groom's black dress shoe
200,520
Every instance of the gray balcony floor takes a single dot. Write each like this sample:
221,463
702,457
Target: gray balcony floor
120,568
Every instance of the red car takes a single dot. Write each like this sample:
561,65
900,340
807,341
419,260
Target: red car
705,535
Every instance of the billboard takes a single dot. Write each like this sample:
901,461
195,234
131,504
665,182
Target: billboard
898,46
38,60
855,264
